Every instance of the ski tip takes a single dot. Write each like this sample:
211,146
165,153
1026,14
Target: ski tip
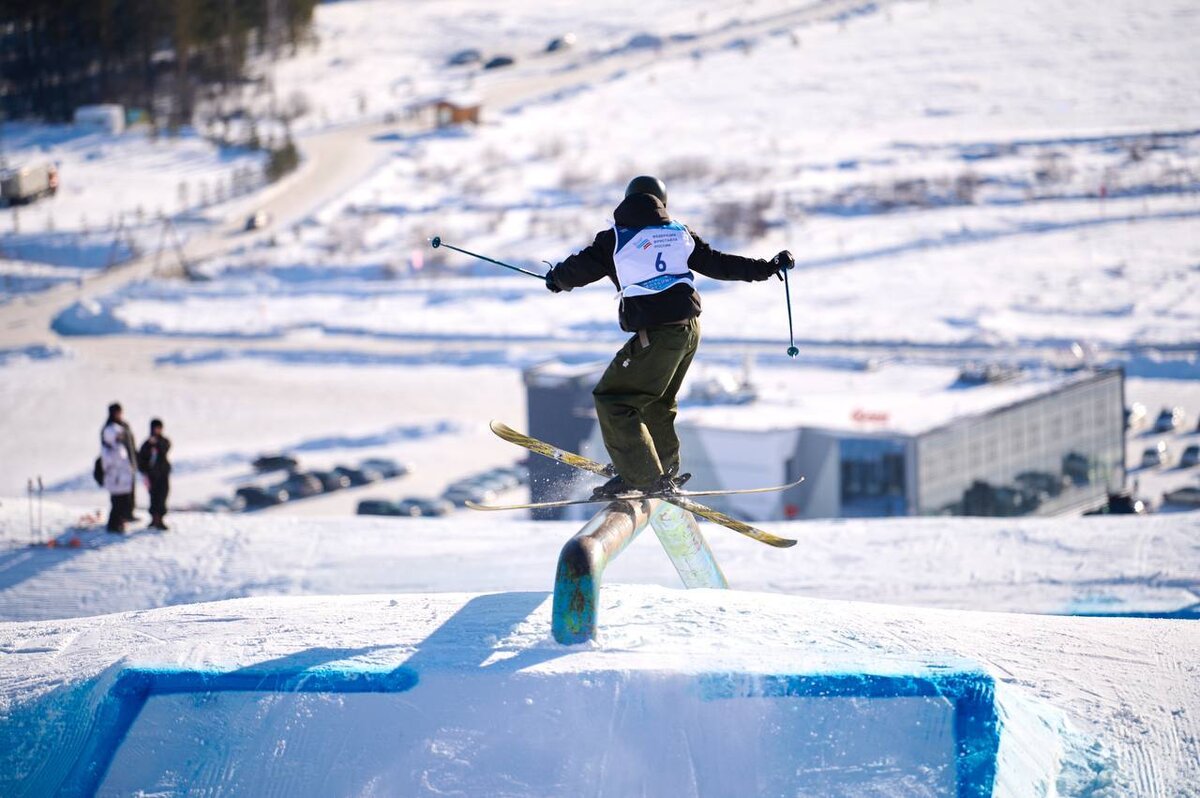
784,543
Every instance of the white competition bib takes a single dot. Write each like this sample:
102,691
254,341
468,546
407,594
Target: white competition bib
650,260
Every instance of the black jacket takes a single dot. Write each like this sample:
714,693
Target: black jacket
678,303
152,459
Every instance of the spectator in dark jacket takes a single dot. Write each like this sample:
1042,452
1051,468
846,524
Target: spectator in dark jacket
650,258
152,460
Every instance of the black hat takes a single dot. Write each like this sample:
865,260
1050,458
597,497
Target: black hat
115,407
155,423
646,184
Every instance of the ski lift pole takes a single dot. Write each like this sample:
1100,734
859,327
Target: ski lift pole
40,491
436,242
792,351
29,493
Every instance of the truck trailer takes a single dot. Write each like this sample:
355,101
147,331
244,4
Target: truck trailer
28,183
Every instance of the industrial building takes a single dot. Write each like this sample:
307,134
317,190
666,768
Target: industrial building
896,441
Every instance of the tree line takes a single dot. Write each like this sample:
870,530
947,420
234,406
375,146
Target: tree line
158,55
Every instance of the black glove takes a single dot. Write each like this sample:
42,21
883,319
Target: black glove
553,286
783,260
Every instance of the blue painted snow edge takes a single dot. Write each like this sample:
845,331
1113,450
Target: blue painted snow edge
135,685
971,693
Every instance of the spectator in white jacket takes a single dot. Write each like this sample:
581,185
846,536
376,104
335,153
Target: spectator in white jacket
119,458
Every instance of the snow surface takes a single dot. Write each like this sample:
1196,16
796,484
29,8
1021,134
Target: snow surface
114,192
1081,225
959,179
488,682
1102,566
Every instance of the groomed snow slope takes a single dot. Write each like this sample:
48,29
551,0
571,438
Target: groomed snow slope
473,698
1100,566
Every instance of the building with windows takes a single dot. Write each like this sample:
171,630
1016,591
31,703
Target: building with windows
896,441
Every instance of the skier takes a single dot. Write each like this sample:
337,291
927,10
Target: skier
651,259
119,459
152,460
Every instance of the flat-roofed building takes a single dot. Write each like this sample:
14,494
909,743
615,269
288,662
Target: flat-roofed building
896,441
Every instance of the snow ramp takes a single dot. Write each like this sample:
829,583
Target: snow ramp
334,731
686,693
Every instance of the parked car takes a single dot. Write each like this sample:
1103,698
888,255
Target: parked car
1156,455
464,57
496,62
510,477
645,41
257,221
490,482
1135,416
1190,456
274,462
332,481
423,507
359,476
1169,419
1188,494
459,494
564,42
376,507
385,466
1036,482
218,504
1121,504
301,485
1077,468
256,497
996,500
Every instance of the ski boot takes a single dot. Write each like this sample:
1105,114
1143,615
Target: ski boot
615,488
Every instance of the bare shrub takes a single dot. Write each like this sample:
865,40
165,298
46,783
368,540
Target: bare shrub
685,168
576,178
745,219
550,149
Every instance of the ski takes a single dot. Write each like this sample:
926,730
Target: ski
683,501
633,496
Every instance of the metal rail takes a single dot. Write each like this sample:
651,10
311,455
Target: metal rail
585,556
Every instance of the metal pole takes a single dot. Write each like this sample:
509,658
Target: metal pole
436,242
584,558
581,566
40,490
29,493
681,538
792,351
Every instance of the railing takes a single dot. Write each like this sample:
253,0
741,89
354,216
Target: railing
584,558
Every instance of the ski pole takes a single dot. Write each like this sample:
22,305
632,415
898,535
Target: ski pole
436,242
29,492
791,350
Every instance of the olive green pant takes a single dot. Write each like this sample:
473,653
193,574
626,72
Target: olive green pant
635,401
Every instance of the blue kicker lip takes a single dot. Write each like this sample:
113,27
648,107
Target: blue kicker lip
125,699
970,692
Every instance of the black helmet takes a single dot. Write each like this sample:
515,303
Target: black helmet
645,184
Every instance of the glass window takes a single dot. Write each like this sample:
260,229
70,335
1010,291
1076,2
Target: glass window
1057,452
873,478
